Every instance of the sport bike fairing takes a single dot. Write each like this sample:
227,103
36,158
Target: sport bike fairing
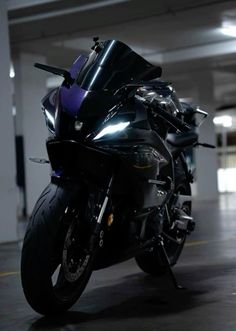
89,99
114,66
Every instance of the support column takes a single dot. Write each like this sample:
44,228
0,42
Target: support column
30,87
8,221
206,159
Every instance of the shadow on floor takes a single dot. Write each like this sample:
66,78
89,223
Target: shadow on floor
138,296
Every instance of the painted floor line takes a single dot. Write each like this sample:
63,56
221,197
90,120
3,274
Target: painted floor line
196,243
188,244
4,274
204,242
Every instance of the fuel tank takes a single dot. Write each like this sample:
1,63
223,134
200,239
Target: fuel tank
145,163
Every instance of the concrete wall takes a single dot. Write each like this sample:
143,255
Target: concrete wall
7,146
30,87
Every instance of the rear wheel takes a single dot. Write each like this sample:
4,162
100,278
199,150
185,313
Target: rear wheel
150,261
56,263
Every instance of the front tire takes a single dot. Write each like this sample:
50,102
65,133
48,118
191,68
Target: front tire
47,247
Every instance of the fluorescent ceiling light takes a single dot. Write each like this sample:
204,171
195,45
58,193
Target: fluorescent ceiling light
225,121
228,28
64,11
12,71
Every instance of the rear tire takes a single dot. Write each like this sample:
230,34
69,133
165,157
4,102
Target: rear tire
150,261
43,249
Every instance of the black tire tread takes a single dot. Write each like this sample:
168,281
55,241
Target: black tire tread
39,243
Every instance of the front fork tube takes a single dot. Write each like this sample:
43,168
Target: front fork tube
97,234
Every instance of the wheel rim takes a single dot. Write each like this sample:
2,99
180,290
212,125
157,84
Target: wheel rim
75,264
75,257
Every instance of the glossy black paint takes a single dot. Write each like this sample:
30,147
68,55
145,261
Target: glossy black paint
133,154
134,157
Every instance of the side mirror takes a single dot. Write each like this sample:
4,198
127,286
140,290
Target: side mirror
56,71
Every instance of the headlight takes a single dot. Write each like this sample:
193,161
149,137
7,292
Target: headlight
112,129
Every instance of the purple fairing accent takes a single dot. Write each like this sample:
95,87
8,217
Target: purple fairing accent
77,65
72,98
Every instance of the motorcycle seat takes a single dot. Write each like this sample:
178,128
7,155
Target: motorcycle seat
182,139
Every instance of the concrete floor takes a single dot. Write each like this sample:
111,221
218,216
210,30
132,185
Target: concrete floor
124,298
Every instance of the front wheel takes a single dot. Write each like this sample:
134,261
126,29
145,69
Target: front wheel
56,263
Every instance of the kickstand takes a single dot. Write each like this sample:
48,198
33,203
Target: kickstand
165,260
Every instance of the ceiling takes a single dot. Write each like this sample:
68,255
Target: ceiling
184,36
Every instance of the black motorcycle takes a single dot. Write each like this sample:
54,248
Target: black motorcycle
120,184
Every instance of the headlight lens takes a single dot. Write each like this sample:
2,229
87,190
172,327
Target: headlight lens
111,129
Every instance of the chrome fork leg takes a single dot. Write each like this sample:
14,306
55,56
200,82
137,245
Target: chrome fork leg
102,207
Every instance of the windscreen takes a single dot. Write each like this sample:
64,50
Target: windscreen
113,66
